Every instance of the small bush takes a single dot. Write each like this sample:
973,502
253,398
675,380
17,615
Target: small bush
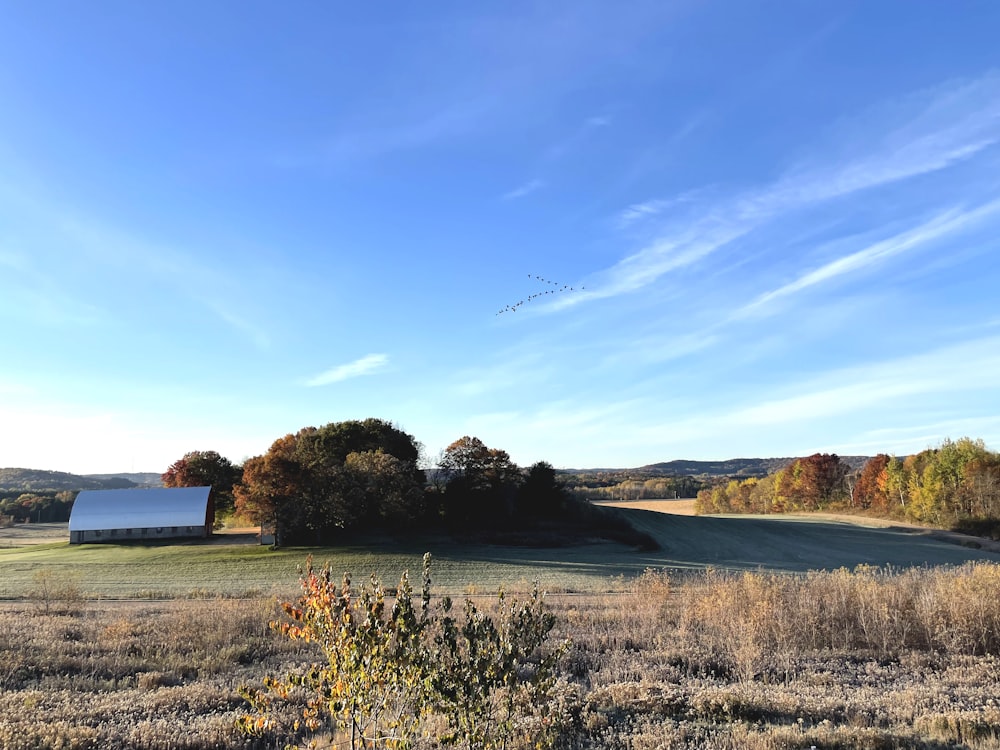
384,670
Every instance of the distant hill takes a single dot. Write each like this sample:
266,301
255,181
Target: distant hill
733,467
139,478
32,480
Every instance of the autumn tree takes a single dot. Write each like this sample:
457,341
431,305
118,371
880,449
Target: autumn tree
762,495
895,482
266,494
468,458
872,489
481,483
814,482
384,488
320,482
981,486
205,469
735,496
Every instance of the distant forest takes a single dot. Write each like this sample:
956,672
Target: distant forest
322,484
47,496
956,485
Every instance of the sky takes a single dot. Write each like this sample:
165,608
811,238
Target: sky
765,228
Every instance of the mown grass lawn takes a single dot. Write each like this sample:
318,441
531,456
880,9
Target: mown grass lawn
136,571
687,543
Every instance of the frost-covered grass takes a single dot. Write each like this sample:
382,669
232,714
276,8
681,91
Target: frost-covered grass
195,570
687,543
859,659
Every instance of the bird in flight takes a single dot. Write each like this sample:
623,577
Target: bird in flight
557,288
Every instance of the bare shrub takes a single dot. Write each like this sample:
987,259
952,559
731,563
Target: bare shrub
56,592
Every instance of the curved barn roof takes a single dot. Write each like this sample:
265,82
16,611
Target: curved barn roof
96,510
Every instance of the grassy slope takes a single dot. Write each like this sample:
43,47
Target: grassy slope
687,543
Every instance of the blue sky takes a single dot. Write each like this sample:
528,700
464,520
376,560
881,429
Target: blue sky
222,222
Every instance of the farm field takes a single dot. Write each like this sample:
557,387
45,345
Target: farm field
236,566
711,660
723,651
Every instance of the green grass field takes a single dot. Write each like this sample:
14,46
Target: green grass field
687,543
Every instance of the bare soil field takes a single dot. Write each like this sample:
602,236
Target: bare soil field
686,508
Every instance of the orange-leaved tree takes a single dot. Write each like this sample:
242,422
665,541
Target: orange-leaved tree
205,469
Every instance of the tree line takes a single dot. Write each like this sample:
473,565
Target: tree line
623,486
954,484
42,506
324,484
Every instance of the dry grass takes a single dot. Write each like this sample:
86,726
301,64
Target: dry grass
859,659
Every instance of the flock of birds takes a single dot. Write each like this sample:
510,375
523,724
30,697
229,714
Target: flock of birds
559,289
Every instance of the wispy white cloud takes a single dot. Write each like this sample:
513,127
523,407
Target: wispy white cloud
166,264
254,332
785,412
364,366
559,417
927,132
513,368
851,389
385,132
73,245
645,350
523,190
32,290
532,431
913,438
642,210
668,253
652,208
577,138
944,224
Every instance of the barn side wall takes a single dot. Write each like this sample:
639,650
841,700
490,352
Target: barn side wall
141,534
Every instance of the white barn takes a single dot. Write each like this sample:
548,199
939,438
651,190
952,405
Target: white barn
141,514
